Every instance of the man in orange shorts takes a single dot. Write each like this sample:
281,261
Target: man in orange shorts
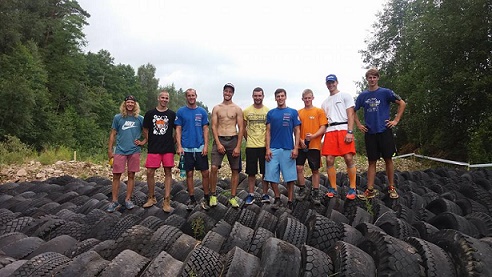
339,136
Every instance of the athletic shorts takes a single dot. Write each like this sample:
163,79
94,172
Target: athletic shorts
155,160
380,145
281,162
313,156
334,144
229,144
195,160
121,161
255,157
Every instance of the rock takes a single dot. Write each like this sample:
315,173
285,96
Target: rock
21,172
40,176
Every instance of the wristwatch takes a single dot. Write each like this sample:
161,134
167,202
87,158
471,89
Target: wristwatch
350,132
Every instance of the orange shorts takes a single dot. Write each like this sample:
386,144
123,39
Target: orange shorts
334,144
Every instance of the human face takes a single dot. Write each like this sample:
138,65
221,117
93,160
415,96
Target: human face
258,97
191,98
130,105
228,93
332,85
163,99
280,98
372,80
308,100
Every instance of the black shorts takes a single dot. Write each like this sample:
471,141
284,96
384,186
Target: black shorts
313,156
195,160
380,145
255,156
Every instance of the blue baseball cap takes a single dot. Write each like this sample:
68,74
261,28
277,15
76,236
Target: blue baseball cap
331,78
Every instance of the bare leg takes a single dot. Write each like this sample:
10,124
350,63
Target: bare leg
115,186
206,182
300,175
351,170
213,179
130,185
390,171
167,181
189,182
315,179
151,181
290,190
371,174
234,181
251,183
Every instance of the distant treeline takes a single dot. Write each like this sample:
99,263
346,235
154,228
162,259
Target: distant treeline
436,54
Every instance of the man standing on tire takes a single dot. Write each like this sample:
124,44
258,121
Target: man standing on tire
227,129
158,127
192,142
126,129
281,149
378,134
313,126
339,137
254,133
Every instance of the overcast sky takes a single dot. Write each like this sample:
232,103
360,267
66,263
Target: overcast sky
269,43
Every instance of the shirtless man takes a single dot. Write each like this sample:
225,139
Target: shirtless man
227,129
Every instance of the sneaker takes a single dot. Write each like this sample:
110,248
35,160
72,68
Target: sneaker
290,205
331,193
370,193
213,201
303,193
277,204
315,197
205,205
150,202
129,205
233,202
351,194
392,192
265,199
114,206
190,205
250,199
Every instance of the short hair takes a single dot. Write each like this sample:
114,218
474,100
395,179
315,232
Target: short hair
190,90
306,92
161,92
256,89
373,72
280,90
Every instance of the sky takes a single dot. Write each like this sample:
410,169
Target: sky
269,44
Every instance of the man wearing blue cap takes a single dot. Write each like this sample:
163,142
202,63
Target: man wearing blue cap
339,136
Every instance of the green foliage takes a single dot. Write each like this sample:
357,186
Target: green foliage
198,227
13,151
436,55
50,155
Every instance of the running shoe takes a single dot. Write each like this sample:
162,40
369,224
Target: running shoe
114,206
233,202
250,199
213,201
265,199
392,192
302,194
351,194
331,193
129,205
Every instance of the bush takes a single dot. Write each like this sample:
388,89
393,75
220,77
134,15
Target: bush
13,151
51,154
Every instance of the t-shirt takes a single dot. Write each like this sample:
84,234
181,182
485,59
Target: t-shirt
376,105
311,120
335,107
282,122
128,129
191,122
256,126
160,126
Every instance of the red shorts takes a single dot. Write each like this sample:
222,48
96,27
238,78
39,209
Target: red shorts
155,160
120,161
334,144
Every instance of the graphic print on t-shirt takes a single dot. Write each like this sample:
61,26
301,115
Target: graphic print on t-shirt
161,124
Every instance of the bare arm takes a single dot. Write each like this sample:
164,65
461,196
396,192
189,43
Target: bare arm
178,140
350,116
297,133
245,129
268,155
205,139
401,108
361,127
112,136
215,131
240,125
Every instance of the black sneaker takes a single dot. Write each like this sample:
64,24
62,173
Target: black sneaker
190,205
316,197
205,205
277,204
290,205
302,194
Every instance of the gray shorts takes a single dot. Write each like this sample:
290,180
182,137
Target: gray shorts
229,143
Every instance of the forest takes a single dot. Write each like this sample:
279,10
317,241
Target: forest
436,54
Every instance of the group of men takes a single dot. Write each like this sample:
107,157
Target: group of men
278,143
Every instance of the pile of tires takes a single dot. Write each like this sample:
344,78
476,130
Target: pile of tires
441,225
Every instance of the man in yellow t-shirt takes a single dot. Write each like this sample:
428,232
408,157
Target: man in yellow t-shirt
313,126
254,134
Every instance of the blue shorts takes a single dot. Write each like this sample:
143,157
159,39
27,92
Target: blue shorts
281,162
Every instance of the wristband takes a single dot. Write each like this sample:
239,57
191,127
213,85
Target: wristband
350,132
